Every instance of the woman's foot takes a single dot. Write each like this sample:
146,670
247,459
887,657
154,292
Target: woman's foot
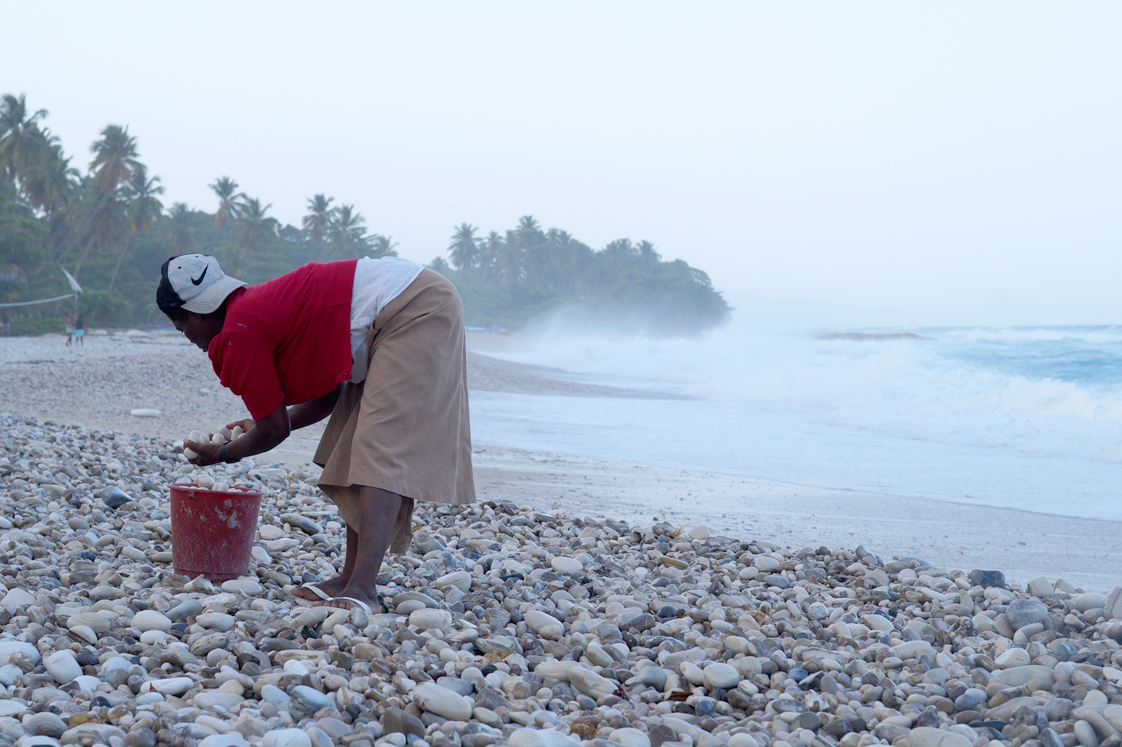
347,598
331,587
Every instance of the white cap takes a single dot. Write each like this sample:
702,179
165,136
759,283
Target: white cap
199,282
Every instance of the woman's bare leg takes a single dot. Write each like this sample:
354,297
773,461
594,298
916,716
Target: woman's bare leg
378,514
335,586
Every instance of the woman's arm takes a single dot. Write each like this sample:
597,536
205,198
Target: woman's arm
302,415
307,413
266,434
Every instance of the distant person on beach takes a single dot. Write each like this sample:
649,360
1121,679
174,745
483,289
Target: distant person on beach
69,330
377,344
80,331
5,325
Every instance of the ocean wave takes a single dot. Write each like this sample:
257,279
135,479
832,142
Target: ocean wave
1100,335
1045,391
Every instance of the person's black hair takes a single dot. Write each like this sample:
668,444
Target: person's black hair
167,299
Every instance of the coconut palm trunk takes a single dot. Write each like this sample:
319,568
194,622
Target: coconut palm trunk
117,267
82,257
143,209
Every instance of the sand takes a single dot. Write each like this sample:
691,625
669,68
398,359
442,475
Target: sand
100,384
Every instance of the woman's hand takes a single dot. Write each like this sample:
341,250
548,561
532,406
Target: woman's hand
245,425
207,453
259,436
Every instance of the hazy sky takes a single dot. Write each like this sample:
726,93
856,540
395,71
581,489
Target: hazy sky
952,162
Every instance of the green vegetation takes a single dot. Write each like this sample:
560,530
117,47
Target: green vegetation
508,279
109,228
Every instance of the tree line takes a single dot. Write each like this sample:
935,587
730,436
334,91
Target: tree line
509,278
108,226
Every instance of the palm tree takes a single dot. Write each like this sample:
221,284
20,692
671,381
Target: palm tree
440,266
181,231
531,245
75,219
111,223
254,228
115,158
528,224
234,260
648,253
318,220
382,246
20,236
511,265
19,136
143,209
621,248
347,237
566,259
464,249
49,183
618,263
229,207
491,249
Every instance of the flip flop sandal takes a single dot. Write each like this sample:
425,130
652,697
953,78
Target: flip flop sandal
323,595
358,602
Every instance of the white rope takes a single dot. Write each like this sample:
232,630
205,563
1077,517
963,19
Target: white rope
31,303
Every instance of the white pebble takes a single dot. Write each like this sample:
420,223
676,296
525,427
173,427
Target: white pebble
146,620
62,666
169,686
287,738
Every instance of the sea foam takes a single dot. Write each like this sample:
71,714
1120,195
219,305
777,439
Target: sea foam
1025,417
1047,391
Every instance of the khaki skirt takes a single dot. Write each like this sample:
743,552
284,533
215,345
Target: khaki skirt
405,429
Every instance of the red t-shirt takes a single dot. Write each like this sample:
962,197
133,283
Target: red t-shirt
287,341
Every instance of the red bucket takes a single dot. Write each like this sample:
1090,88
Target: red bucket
212,530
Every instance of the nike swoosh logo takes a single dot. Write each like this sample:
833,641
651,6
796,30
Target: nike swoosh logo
200,278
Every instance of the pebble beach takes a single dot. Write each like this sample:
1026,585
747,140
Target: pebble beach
523,619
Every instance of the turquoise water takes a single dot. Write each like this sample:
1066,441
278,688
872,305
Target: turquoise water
1026,418
1088,356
